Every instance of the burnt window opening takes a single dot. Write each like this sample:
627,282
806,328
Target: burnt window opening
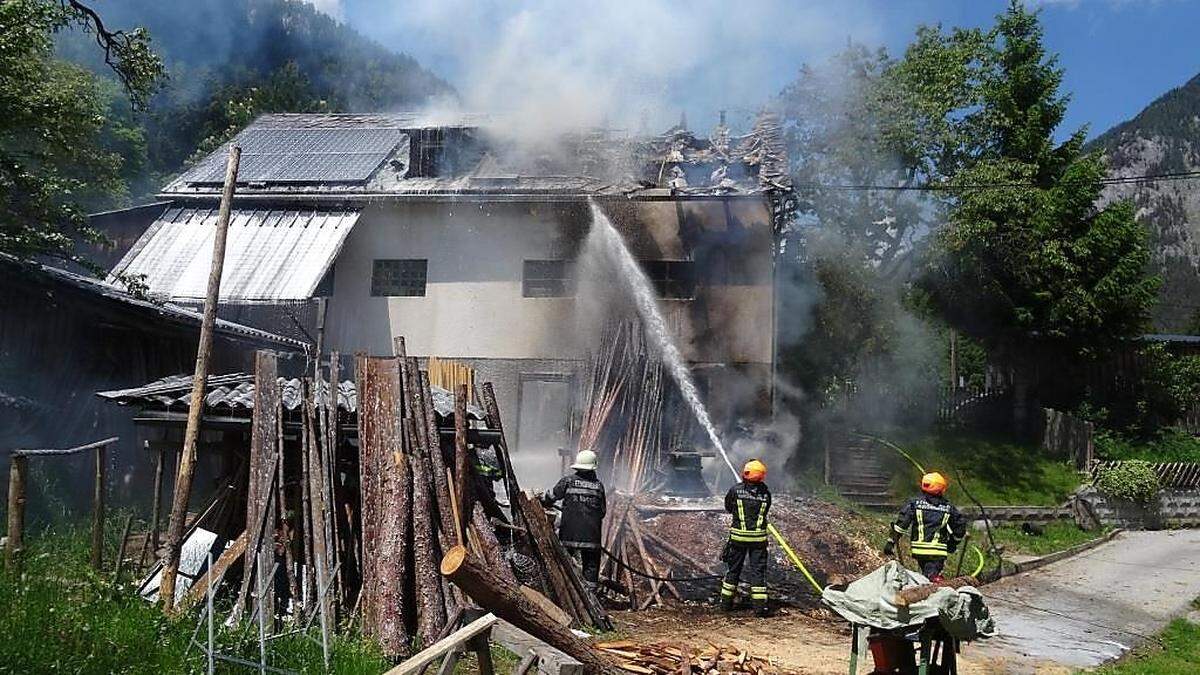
547,279
399,278
427,149
674,279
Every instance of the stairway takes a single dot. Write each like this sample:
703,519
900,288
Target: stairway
855,467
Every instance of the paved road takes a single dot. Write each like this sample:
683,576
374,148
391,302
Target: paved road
1092,607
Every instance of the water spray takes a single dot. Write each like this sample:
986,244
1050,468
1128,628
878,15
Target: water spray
610,242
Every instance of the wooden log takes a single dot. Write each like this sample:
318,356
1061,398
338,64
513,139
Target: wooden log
392,501
593,613
187,458
431,606
263,452
494,421
462,464
436,461
496,595
214,574
489,545
433,652
100,455
542,534
17,469
915,594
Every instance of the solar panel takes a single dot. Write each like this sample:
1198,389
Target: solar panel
295,155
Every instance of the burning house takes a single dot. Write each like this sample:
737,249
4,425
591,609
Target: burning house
466,242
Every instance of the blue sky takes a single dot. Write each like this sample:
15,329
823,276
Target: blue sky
643,61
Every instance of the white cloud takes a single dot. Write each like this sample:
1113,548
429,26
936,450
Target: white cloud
333,8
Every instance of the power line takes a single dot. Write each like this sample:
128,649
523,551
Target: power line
1114,180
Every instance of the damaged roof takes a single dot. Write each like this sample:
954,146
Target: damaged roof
234,393
421,156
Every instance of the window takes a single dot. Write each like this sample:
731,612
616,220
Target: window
405,278
547,279
672,278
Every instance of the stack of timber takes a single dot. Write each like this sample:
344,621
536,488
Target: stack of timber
664,659
635,548
631,406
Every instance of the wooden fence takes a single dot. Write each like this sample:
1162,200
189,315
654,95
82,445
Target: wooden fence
960,406
1171,475
1069,437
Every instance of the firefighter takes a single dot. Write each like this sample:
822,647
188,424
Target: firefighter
487,474
583,507
746,550
934,527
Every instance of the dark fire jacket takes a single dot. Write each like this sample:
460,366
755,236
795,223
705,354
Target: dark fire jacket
583,507
933,524
749,503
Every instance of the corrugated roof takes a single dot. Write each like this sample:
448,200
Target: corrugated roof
166,311
270,255
235,392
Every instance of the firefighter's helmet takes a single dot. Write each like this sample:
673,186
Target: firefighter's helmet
754,471
585,461
934,483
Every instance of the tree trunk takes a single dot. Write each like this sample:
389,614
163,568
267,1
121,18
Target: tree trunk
431,617
483,585
462,464
187,458
485,534
542,535
259,496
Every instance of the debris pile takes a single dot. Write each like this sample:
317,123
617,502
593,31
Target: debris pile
661,659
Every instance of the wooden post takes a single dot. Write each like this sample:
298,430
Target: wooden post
156,513
462,463
98,509
506,601
187,460
18,467
953,360
120,563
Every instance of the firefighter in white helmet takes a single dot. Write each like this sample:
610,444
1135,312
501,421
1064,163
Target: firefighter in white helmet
583,507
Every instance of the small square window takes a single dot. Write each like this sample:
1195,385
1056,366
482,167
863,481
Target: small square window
675,279
403,278
547,279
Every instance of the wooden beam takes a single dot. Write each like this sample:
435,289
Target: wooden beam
442,647
187,460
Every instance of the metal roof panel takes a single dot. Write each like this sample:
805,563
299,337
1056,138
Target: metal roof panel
269,255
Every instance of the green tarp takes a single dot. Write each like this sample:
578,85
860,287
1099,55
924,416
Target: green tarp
869,601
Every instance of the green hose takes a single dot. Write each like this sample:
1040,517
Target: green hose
980,568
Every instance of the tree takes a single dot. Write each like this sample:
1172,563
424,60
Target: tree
57,154
1029,263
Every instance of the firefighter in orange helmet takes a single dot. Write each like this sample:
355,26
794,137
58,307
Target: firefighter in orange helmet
934,526
746,550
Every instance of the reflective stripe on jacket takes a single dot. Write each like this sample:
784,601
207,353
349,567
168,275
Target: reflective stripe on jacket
933,525
749,504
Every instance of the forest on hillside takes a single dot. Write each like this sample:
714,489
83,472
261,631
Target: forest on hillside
226,62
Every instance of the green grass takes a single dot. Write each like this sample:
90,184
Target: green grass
1179,652
997,473
1059,535
1168,445
59,615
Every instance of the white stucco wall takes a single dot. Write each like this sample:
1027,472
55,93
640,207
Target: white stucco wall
473,306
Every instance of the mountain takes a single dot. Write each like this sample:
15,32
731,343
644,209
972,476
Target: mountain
231,60
1164,138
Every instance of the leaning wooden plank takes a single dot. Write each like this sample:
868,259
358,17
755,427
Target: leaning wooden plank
440,648
505,600
228,557
593,612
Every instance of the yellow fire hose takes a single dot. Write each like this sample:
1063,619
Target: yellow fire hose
793,557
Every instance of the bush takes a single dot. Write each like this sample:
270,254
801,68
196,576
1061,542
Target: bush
1132,480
